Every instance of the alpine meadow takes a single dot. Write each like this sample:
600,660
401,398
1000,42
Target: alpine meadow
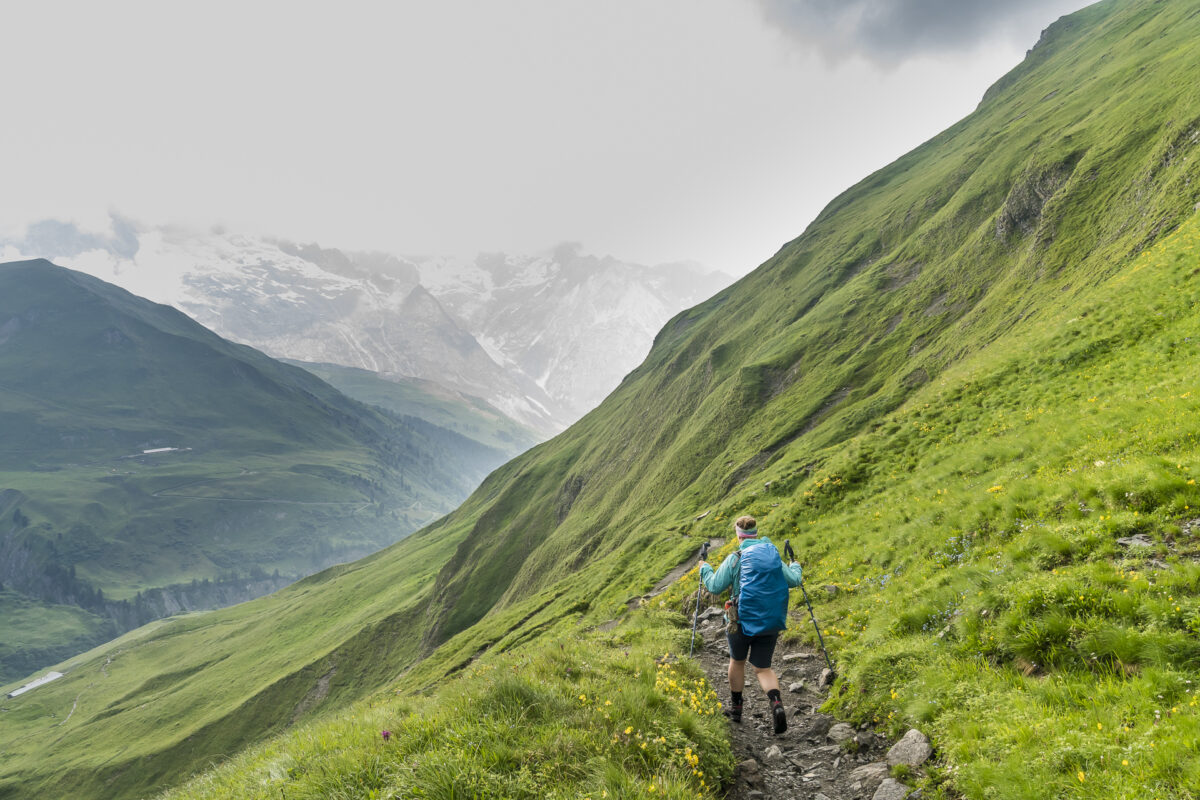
967,394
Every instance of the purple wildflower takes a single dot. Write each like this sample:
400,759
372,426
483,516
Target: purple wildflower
386,735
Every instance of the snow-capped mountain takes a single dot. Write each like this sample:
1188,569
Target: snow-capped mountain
542,338
574,323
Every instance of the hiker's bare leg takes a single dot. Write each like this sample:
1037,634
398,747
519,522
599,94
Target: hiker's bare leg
737,675
766,679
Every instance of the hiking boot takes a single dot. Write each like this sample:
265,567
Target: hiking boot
734,712
779,716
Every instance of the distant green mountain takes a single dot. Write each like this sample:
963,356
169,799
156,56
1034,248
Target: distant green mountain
967,393
148,466
447,408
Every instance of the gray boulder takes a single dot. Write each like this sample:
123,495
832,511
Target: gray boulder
870,776
748,772
840,733
890,789
913,750
821,723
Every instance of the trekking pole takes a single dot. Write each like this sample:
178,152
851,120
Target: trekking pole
696,614
787,548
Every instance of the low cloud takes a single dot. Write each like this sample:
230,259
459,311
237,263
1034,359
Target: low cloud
889,32
52,238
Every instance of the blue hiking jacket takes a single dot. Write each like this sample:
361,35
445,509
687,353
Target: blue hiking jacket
720,579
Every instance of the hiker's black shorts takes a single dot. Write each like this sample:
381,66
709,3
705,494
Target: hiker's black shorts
760,648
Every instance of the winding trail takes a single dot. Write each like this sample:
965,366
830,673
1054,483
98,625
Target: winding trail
817,758
74,706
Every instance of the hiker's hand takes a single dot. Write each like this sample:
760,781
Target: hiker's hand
705,564
794,564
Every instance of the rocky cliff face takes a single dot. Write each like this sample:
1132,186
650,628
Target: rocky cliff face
541,338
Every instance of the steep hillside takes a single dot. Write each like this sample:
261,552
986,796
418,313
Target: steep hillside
957,391
149,466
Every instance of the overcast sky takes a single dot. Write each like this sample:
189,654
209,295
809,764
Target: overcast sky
651,130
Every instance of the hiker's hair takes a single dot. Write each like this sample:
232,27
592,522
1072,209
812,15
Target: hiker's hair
746,523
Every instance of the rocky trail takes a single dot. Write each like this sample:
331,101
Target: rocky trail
817,758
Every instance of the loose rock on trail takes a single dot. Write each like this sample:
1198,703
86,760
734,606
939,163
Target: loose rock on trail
817,758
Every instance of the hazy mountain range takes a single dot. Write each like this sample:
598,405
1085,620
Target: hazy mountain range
542,338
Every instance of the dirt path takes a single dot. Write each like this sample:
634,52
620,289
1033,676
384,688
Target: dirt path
817,758
680,571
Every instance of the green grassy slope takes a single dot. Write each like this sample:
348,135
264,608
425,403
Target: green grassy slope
583,715
174,695
993,595
437,405
862,392
984,594
272,468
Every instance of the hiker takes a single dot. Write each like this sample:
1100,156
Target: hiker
760,582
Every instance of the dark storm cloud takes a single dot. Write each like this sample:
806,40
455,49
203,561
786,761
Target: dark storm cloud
891,31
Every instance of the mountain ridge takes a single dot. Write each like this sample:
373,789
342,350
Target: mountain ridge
470,325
